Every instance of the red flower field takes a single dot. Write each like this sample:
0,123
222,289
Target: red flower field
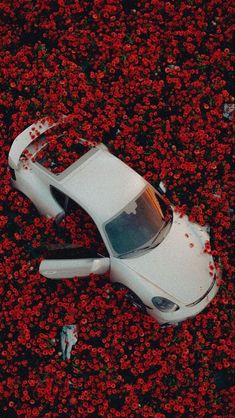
151,79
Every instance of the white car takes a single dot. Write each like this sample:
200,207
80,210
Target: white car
153,251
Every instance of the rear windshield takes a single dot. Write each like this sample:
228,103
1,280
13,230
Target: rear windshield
56,149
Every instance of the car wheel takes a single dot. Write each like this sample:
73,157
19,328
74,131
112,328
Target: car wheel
132,297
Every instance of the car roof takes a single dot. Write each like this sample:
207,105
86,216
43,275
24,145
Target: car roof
101,183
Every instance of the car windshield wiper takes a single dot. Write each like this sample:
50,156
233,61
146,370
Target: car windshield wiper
147,247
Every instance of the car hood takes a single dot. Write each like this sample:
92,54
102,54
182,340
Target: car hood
178,265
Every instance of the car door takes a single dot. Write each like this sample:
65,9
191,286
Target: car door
72,258
65,266
75,224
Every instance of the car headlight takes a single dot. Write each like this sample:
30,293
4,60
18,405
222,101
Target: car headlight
164,305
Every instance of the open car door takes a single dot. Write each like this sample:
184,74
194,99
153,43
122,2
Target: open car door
68,262
67,269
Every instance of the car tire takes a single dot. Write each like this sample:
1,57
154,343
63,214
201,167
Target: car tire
132,297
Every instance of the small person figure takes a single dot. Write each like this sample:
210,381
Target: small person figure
68,338
229,111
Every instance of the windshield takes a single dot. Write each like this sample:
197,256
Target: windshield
140,224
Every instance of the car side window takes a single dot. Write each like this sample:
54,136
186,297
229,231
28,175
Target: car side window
77,228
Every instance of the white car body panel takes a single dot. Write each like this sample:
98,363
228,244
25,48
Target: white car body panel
90,184
176,269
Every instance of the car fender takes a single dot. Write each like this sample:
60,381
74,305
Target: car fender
37,191
143,288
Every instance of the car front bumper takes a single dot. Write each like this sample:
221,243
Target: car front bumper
185,312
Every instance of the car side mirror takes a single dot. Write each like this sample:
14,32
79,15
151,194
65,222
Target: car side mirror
161,188
69,268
